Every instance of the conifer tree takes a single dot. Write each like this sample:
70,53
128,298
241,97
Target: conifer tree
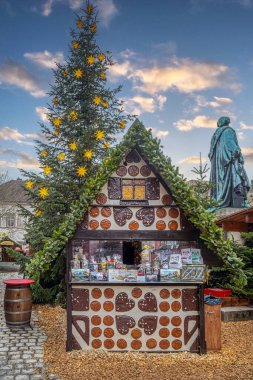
85,115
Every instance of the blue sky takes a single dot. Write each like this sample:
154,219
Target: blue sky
183,64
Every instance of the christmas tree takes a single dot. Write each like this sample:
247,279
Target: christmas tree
85,116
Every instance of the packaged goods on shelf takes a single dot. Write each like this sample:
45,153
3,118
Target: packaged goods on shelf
170,274
193,272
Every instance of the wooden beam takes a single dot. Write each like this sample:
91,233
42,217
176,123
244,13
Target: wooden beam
249,218
235,227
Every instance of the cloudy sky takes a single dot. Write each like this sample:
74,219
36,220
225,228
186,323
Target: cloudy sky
183,64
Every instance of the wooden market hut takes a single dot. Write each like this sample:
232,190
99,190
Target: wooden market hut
126,201
240,221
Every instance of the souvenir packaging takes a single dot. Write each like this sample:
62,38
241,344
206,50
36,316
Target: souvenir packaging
186,256
131,275
151,277
93,267
175,261
169,274
196,256
193,272
116,275
80,274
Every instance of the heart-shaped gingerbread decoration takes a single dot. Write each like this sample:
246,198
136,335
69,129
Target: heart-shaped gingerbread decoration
123,303
124,323
149,303
148,323
147,215
121,215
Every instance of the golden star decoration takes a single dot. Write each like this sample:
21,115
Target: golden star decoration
93,28
43,153
81,171
78,73
37,212
73,116
90,60
97,100
43,192
100,135
106,161
29,184
56,121
65,73
56,132
105,104
106,144
47,170
73,145
89,9
79,24
55,101
102,76
101,57
88,154
61,156
122,124
75,44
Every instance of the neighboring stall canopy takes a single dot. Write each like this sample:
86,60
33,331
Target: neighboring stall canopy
241,221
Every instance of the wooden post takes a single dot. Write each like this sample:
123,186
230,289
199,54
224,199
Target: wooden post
213,327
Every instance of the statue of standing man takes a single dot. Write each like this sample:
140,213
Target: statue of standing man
228,176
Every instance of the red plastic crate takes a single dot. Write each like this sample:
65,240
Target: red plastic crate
217,292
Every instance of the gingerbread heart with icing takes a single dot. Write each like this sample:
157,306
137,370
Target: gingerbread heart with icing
124,323
148,323
123,303
149,303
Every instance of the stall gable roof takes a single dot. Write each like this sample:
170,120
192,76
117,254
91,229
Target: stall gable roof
185,197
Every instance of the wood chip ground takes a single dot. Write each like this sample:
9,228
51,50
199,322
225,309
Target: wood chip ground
235,361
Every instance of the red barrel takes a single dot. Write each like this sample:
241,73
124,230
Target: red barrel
18,302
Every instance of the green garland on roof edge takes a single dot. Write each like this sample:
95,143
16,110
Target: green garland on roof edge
184,195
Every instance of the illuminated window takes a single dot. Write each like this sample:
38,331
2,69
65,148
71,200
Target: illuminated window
133,189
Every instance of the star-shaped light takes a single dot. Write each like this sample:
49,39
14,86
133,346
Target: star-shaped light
81,171
101,57
102,76
47,170
75,44
97,100
105,104
73,116
65,73
78,73
106,144
93,28
88,154
89,8
79,24
29,184
43,192
61,156
43,153
55,101
100,135
90,60
122,124
73,145
56,132
56,121
37,212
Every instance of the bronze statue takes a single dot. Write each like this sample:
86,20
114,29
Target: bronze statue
228,176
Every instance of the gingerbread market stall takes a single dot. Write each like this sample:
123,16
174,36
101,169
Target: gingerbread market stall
136,265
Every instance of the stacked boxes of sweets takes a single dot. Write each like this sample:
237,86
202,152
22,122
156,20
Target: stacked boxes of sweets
80,268
192,265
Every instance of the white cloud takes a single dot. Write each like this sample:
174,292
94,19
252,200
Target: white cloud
192,160
119,70
11,134
202,102
14,74
240,135
106,11
23,160
140,104
45,58
200,121
159,132
183,75
42,113
245,126
247,153
47,8
223,100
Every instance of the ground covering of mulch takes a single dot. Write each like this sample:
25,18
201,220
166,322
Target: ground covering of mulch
235,361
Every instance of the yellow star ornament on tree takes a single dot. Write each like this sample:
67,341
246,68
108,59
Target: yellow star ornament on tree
65,73
61,156
106,144
37,212
101,57
75,44
90,60
105,104
73,116
79,24
100,135
93,28
89,9
47,170
43,192
81,171
97,100
78,73
55,101
102,76
29,184
88,154
43,153
73,145
122,124
56,121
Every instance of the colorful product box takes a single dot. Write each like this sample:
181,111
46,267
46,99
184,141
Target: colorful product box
169,274
193,273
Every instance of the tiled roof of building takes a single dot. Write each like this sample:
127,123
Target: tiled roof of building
13,192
